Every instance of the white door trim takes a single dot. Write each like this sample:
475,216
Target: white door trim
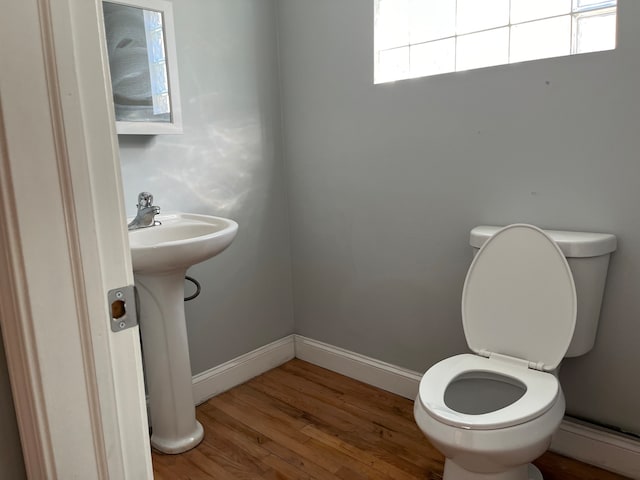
17,324
77,387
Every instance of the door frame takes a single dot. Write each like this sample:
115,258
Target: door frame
78,387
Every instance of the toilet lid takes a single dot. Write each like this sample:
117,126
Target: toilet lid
519,298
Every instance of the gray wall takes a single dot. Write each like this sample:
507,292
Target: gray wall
386,181
228,163
11,461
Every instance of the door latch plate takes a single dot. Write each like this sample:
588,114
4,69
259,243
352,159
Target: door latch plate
122,308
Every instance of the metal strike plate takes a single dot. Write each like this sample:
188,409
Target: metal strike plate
122,307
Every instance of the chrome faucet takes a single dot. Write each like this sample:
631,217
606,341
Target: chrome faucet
146,213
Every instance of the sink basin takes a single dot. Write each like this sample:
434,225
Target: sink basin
161,256
182,240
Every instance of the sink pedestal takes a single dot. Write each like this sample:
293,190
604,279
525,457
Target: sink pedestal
161,255
166,359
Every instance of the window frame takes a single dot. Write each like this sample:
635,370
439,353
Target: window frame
576,12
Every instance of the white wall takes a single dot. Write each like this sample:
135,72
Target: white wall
386,181
228,163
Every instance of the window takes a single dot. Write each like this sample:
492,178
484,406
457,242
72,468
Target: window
417,38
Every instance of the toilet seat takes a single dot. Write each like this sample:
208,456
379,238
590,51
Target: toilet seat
542,390
519,314
519,298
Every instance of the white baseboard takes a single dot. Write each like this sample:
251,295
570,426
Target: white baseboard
579,440
241,369
598,446
374,372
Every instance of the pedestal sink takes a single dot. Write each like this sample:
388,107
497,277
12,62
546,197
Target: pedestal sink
161,255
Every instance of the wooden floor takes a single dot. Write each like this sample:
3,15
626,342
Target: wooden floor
300,421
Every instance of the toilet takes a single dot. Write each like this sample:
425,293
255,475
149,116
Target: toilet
530,298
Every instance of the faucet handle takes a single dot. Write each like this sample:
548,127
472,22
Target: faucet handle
145,199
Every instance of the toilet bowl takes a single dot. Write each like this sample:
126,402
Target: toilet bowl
485,427
492,412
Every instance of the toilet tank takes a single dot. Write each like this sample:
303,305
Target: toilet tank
588,257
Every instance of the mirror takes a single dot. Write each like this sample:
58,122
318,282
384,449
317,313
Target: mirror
142,62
